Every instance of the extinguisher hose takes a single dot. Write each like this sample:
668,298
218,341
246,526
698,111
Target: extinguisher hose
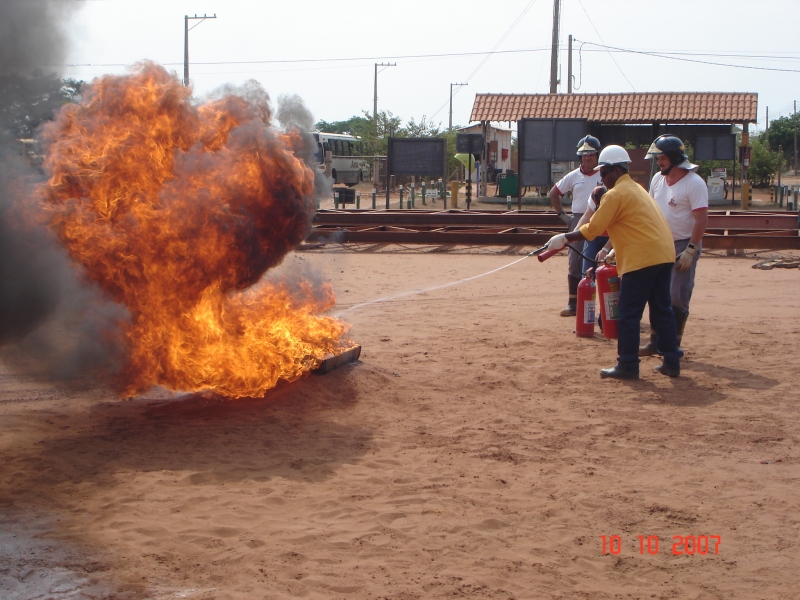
591,260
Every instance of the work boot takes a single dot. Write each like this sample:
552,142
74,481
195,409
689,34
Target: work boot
572,305
618,372
650,347
680,323
669,370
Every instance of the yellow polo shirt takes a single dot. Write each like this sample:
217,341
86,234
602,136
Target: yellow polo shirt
635,225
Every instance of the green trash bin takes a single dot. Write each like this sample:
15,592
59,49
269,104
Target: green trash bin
507,185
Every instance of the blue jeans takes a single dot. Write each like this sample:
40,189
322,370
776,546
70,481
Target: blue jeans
591,249
650,285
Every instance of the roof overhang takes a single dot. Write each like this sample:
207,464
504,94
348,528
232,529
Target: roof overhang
633,108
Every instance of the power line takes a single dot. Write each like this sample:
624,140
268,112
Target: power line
703,62
601,39
602,48
488,56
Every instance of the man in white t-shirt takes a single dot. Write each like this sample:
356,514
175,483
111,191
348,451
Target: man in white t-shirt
682,196
580,182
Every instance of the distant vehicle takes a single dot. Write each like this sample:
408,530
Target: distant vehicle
346,166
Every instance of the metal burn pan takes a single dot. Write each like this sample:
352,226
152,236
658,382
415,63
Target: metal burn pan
337,360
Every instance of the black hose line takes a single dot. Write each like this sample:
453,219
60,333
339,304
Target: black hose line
597,262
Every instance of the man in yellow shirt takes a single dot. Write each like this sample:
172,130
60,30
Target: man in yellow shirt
645,256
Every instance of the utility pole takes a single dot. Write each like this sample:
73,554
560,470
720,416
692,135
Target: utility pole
375,97
451,103
186,30
569,66
766,135
554,50
795,138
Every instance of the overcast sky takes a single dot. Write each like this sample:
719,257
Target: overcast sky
108,34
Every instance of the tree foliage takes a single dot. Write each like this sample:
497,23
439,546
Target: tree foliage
27,102
763,163
781,133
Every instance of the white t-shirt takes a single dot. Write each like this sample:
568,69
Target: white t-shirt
678,201
581,186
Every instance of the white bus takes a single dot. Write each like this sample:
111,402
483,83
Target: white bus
346,165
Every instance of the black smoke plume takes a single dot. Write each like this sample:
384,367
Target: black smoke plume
51,320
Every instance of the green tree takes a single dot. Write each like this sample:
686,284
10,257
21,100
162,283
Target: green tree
763,163
28,102
781,133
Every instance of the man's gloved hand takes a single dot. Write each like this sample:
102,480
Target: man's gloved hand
565,218
611,257
602,255
685,258
557,242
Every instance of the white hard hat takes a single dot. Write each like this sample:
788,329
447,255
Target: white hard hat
612,156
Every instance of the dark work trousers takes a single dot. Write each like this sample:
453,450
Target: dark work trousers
638,288
683,281
574,258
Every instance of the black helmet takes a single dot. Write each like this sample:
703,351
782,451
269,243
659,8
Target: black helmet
670,146
588,145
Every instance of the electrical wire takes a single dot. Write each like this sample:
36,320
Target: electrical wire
704,62
489,54
601,39
602,48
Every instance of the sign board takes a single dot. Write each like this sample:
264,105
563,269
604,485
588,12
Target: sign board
719,172
469,143
542,141
715,147
417,156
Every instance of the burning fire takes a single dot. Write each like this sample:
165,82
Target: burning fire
177,212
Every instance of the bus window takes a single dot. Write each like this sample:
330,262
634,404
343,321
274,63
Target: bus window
320,154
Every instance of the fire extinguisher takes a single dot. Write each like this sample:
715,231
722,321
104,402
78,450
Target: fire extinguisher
608,297
584,318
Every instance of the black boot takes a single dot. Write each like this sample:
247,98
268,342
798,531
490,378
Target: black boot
618,372
680,323
572,305
650,347
669,370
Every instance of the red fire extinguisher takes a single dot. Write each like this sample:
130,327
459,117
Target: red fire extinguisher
608,297
584,318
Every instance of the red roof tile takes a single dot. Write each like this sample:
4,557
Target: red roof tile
647,107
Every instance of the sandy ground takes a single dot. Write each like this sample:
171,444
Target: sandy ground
473,452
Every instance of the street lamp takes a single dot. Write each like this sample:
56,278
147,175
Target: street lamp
451,102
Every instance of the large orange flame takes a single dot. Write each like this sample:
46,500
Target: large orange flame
177,212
